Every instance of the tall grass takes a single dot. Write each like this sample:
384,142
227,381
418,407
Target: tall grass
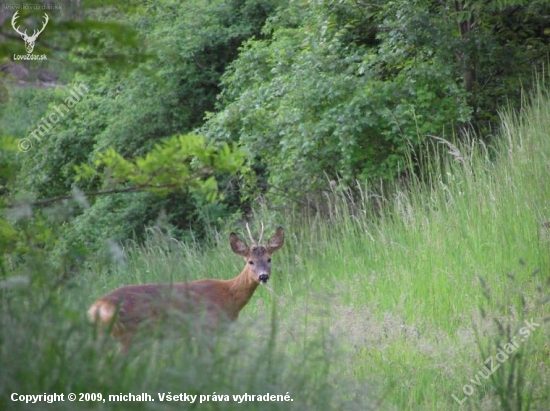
406,277
377,303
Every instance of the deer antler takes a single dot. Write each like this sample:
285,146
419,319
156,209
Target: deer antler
250,235
261,233
252,238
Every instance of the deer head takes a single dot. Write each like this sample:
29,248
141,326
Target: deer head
257,256
29,40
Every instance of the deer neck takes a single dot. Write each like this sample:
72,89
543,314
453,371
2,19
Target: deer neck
241,289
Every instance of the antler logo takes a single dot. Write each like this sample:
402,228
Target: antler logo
29,40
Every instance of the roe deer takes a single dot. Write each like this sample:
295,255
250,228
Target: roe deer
125,309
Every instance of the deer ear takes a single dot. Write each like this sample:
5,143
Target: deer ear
276,241
237,245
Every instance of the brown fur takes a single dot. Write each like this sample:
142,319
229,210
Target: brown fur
127,308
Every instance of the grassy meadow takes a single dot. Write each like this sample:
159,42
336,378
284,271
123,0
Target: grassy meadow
390,304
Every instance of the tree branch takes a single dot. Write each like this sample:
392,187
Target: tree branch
127,190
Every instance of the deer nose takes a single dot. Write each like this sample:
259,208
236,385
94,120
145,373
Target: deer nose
263,278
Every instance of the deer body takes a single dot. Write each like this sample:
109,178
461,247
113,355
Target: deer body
127,308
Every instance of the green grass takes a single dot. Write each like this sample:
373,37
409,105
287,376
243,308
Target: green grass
373,304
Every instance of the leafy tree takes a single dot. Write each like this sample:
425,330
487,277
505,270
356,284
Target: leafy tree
344,89
315,90
130,114
491,46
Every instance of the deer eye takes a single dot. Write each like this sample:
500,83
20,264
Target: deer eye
251,262
269,260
